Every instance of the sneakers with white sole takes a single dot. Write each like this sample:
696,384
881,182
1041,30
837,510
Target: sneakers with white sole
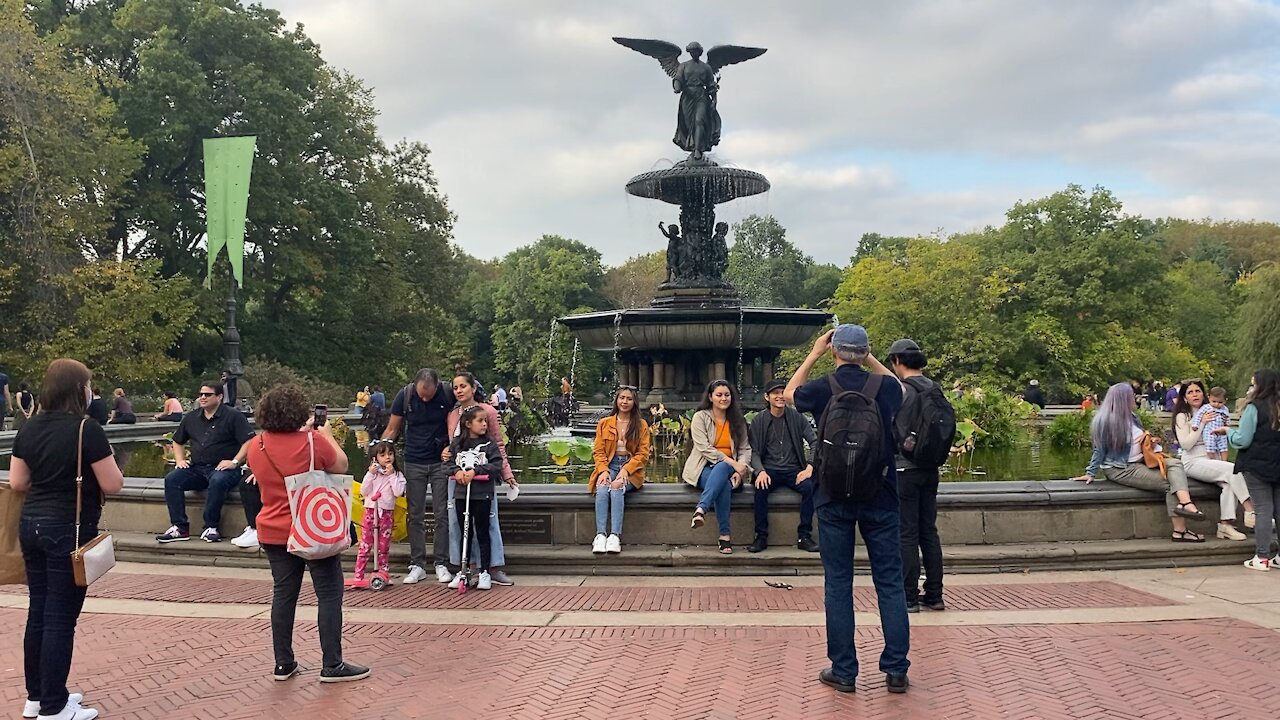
613,544
500,577
32,708
346,672
442,574
1258,563
211,535
1227,532
173,534
247,539
598,545
416,574
486,582
72,711
455,582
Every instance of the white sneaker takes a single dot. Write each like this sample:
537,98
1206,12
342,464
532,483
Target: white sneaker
1258,563
32,708
246,539
1250,519
416,574
598,545
455,582
443,575
1227,532
486,582
613,544
72,711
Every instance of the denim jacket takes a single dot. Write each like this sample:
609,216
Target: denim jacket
1102,458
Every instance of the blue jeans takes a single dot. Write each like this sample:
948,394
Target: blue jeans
716,484
609,502
198,477
55,603
880,534
785,479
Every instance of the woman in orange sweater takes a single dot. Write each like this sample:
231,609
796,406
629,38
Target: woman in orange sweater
621,451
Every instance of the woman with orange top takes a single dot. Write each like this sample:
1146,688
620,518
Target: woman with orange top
721,457
621,451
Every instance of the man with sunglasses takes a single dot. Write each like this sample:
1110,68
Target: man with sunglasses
218,437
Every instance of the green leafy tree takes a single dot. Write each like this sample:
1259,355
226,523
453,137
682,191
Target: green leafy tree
1258,332
633,283
538,283
766,268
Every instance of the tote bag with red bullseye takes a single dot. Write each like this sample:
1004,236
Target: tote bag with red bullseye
320,504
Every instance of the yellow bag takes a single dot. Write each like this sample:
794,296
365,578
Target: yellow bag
400,516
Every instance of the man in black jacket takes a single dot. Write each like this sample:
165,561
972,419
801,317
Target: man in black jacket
778,439
1034,394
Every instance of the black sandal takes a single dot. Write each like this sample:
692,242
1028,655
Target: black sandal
726,547
699,517
1187,536
1181,509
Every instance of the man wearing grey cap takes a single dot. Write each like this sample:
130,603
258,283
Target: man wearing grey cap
877,519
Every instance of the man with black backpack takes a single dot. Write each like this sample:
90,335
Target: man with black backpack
856,491
924,431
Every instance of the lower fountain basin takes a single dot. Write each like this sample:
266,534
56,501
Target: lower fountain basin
696,328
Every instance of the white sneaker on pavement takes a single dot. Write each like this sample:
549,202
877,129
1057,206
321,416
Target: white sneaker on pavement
72,711
486,582
246,539
443,575
455,582
500,577
32,708
416,574
598,545
1258,563
613,544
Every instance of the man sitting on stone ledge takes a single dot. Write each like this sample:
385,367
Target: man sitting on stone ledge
781,435
218,437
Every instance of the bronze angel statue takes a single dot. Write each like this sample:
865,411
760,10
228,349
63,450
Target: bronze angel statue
698,122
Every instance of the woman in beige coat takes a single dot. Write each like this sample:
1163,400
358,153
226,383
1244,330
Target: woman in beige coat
721,457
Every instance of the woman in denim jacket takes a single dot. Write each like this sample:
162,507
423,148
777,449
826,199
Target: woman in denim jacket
1117,452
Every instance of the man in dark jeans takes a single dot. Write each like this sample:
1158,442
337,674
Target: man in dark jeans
917,495
218,437
778,439
422,409
877,519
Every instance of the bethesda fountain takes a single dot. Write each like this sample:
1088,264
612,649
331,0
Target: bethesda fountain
696,329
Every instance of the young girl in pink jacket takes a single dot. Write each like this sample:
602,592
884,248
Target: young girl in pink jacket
382,484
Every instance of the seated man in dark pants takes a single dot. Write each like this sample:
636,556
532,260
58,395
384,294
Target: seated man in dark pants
218,437
779,437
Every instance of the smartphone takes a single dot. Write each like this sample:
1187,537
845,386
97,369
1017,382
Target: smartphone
322,415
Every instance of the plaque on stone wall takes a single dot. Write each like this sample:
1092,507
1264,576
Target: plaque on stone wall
522,528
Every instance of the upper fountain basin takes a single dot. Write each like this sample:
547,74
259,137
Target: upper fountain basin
696,328
697,182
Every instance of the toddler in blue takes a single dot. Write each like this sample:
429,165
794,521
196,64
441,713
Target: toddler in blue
1212,416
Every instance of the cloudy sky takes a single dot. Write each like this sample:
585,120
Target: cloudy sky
899,118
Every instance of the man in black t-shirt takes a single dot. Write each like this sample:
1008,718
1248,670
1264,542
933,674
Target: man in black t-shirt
779,435
218,437
421,410
5,399
877,519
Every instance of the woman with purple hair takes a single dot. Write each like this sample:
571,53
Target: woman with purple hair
1117,453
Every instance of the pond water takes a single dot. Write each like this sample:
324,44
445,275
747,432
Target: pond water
534,463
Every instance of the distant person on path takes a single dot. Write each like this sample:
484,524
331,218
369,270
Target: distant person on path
1171,397
1117,436
1034,394
1089,403
172,411
1212,416
217,435
421,409
121,409
289,445
721,457
1258,440
44,467
5,400
1199,465
362,397
500,397
925,425
98,409
779,436
1155,395
621,452
377,398
465,391
878,520
24,406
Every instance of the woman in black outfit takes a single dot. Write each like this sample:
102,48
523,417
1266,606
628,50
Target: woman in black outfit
44,466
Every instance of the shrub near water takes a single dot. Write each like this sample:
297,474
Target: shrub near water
999,416
1073,429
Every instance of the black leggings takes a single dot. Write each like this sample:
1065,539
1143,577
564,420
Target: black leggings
479,510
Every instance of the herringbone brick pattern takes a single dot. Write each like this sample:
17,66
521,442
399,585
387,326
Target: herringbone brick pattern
1023,596
142,667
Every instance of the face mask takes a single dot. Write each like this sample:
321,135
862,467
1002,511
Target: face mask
88,396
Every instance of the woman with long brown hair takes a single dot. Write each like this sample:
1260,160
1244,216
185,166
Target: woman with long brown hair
621,452
45,466
1258,438
721,457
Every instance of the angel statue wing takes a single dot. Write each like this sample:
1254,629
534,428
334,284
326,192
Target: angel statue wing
721,55
667,54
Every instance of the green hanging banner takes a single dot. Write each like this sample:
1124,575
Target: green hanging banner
228,164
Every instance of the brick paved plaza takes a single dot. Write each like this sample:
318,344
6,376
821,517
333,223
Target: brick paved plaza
165,642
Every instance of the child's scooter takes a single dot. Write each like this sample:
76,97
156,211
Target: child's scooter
465,569
379,578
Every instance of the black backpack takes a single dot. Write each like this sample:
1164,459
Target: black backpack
925,428
850,459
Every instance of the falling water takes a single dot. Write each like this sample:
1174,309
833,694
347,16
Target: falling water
741,318
573,364
617,345
835,320
546,379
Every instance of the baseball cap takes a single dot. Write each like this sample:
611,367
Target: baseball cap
1035,383
850,337
905,345
774,384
